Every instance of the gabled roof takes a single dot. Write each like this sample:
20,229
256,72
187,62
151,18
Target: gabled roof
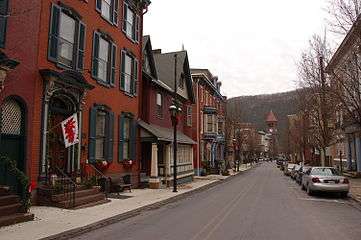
147,53
348,41
271,118
165,70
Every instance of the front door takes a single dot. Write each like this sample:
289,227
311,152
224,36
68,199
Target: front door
12,140
61,159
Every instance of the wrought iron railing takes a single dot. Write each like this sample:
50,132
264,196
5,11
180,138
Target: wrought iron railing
96,177
67,187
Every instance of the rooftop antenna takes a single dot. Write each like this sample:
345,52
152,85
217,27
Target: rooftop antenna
183,47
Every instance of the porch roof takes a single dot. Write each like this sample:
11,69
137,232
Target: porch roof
165,134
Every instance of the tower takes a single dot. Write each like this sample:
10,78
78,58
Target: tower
272,121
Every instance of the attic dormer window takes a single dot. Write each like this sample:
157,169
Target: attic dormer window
181,81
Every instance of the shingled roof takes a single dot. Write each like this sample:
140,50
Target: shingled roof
165,70
271,118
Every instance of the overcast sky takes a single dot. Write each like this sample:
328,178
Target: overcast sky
252,45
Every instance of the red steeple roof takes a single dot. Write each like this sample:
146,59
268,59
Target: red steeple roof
271,118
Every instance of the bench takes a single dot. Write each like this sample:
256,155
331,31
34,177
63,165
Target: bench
119,184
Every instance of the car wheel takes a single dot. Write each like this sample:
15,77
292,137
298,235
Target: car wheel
344,194
309,191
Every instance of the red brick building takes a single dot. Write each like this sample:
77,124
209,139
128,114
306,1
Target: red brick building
210,116
157,132
81,57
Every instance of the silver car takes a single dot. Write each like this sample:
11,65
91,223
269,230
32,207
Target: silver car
325,179
288,169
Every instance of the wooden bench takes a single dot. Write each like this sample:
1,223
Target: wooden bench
119,184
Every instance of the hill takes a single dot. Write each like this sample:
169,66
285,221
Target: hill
254,109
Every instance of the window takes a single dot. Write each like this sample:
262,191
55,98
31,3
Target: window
103,66
181,81
3,21
220,127
66,38
189,116
130,23
101,133
127,137
159,103
129,73
108,10
209,122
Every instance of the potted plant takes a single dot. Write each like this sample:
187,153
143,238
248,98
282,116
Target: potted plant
101,164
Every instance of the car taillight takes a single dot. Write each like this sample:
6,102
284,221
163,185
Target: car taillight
316,180
346,181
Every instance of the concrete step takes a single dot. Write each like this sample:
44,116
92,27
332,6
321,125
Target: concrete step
79,201
10,209
15,218
8,199
4,190
78,194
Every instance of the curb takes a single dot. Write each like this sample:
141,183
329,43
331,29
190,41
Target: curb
132,213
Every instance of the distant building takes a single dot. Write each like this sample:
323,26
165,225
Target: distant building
210,116
272,121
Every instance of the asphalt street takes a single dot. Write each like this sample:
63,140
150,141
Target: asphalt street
261,204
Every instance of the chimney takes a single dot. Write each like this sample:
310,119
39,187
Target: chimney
157,51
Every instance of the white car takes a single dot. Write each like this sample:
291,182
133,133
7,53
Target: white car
325,179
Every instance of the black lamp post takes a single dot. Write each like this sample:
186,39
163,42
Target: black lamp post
175,110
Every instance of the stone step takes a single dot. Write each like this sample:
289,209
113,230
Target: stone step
8,199
4,190
79,201
78,194
10,209
15,218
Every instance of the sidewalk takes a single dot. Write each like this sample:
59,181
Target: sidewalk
355,188
50,221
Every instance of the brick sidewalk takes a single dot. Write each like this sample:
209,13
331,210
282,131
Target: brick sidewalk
51,221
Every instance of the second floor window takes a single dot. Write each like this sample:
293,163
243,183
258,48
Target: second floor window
104,57
209,123
66,38
3,21
131,23
189,116
129,73
159,103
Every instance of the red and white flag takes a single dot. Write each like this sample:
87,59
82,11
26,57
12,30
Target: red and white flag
70,130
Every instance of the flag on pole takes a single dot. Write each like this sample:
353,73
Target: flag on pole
70,130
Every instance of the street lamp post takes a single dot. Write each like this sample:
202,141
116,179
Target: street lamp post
341,170
175,110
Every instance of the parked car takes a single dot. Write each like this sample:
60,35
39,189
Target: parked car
300,174
288,168
294,171
325,179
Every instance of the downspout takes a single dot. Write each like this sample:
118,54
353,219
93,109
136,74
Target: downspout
198,130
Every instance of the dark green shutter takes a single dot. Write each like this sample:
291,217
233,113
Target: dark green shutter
122,79
81,46
113,62
134,26
95,61
133,139
3,21
125,15
54,33
109,139
121,138
98,6
137,29
92,134
135,77
115,8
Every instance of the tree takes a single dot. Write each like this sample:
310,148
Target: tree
318,103
342,15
